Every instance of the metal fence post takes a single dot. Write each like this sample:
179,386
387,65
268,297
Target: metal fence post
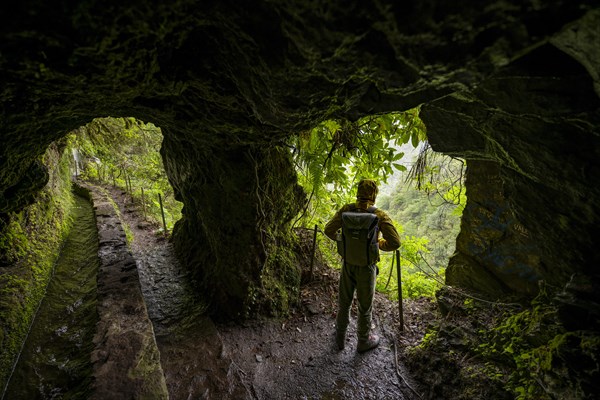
314,248
162,211
400,290
143,204
130,189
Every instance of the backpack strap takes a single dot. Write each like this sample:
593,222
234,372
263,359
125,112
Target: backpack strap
370,209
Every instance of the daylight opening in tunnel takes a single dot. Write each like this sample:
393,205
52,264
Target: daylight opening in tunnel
421,190
124,153
50,255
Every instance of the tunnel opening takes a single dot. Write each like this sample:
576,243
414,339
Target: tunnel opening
421,190
118,153
125,153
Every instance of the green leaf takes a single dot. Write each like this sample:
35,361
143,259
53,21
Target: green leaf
398,156
415,140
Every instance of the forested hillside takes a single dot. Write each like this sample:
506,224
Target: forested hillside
426,206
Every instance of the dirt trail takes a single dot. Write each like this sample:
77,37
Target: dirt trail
297,358
291,358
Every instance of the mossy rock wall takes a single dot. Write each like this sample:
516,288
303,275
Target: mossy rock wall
30,241
532,142
238,208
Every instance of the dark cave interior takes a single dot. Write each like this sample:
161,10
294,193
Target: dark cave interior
512,87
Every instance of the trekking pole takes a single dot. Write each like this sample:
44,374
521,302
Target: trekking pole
391,272
314,248
400,290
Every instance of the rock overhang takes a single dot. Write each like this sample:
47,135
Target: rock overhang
225,81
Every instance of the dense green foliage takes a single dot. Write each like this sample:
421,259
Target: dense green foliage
30,242
428,208
124,152
335,155
538,353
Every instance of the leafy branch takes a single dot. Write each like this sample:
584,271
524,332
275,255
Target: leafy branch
439,176
334,154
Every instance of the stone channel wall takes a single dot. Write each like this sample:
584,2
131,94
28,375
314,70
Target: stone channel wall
126,360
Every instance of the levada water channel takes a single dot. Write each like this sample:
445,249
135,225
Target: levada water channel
55,360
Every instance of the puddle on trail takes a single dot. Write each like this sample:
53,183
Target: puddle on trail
55,361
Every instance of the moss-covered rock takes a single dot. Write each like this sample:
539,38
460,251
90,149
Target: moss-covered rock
30,242
235,224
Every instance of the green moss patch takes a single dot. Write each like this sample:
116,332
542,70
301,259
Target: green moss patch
30,242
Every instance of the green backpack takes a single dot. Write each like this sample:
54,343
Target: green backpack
360,233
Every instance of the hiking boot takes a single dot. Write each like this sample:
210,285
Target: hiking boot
340,339
366,345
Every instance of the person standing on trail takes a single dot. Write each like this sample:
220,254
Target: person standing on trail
360,278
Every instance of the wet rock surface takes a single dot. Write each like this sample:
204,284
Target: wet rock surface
55,360
297,358
191,349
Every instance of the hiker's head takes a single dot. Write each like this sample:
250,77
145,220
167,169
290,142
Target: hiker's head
367,190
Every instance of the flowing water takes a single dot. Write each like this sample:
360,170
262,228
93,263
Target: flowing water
55,361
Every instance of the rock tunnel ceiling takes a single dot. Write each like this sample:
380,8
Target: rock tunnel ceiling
510,86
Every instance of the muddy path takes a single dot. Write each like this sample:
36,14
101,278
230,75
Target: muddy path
286,358
296,358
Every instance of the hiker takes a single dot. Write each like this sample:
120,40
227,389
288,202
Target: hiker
361,278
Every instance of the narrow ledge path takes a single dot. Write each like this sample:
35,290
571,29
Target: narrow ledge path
125,359
191,349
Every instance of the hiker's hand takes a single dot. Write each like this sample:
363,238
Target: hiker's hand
381,242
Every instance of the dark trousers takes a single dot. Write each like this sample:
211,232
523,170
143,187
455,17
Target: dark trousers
362,280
